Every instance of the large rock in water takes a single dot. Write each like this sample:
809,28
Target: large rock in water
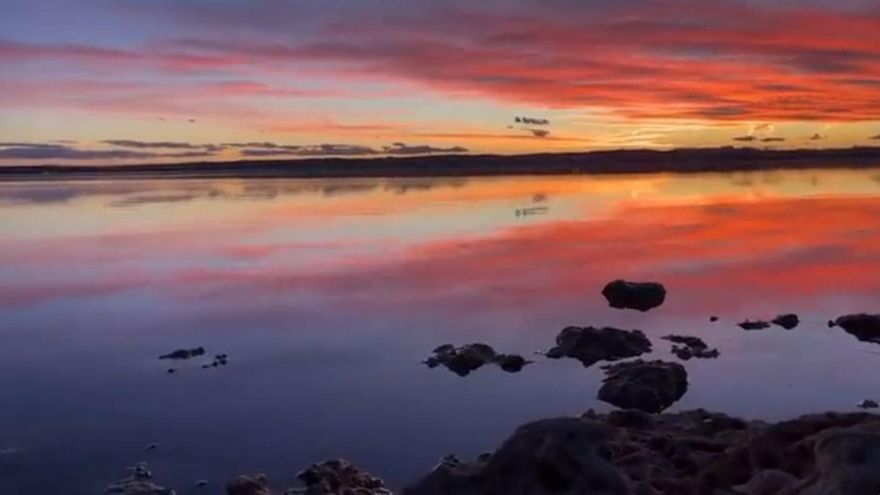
590,345
634,295
862,326
564,456
650,386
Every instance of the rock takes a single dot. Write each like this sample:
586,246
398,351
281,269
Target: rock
469,357
201,483
153,446
713,319
847,463
553,456
138,482
184,353
768,482
690,347
868,404
753,325
862,326
590,345
649,386
511,363
641,296
787,321
248,485
339,477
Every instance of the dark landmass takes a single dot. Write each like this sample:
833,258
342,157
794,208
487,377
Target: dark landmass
598,162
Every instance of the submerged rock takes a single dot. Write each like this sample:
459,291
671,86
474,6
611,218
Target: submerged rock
649,386
339,477
552,456
690,347
184,353
590,345
787,321
469,357
753,325
641,296
138,482
862,326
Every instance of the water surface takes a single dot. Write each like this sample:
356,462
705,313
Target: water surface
327,294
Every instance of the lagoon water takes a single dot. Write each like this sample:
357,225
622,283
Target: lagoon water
328,294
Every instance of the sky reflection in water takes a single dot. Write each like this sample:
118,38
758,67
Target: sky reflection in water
327,294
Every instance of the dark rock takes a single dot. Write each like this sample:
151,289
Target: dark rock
467,358
339,477
153,446
713,319
691,347
171,370
768,482
184,353
847,463
649,386
862,326
787,321
255,484
868,404
201,483
641,296
511,363
554,456
753,325
138,482
590,345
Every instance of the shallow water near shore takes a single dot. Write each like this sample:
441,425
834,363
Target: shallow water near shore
328,294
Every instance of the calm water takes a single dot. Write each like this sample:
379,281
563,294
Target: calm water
327,294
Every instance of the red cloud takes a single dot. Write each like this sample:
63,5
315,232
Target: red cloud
682,59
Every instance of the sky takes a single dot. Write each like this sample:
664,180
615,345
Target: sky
122,81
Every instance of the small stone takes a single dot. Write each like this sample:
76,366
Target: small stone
787,321
713,319
868,404
153,446
753,325
202,483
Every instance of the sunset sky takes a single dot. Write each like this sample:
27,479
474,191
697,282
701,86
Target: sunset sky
119,81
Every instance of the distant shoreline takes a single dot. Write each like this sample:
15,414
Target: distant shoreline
597,162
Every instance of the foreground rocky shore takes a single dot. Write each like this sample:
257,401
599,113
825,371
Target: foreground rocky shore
626,452
637,450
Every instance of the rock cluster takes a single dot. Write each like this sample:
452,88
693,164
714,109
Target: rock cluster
686,347
590,345
467,358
